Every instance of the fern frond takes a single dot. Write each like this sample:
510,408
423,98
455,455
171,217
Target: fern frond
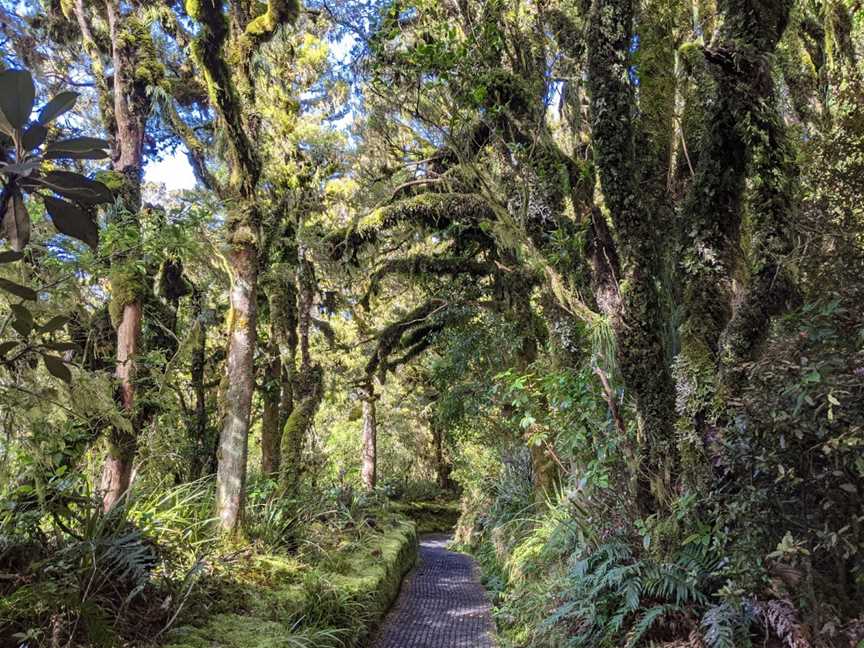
720,624
647,621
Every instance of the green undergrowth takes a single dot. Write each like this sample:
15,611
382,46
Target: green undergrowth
570,572
323,595
430,516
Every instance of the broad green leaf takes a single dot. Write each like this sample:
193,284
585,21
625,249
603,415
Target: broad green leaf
8,256
22,168
60,346
34,136
17,289
60,104
6,347
16,222
53,324
75,186
57,368
23,320
72,221
78,145
69,155
16,96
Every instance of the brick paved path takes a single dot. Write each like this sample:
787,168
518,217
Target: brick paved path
442,604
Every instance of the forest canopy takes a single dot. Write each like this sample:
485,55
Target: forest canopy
586,275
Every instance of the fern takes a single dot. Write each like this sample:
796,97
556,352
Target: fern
721,625
646,622
612,595
128,558
778,616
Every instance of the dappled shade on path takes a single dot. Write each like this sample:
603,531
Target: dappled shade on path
442,604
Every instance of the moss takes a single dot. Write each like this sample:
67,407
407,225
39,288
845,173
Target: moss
309,391
128,285
114,180
431,517
278,12
234,630
280,590
135,37
241,231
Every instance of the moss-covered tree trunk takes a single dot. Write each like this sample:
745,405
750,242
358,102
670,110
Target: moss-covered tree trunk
134,70
231,91
308,391
271,395
308,386
744,137
240,373
280,373
642,235
369,440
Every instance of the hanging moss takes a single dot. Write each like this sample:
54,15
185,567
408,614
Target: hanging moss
135,38
278,12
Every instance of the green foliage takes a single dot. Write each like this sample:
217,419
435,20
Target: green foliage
536,224
24,170
328,593
611,594
430,516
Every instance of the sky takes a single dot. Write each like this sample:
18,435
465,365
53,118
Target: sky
173,170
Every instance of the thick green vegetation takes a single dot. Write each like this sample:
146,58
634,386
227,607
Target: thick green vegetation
579,280
331,594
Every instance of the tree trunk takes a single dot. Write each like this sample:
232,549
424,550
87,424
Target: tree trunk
199,436
744,137
442,467
640,219
240,376
271,431
117,471
131,108
278,392
308,392
307,388
369,453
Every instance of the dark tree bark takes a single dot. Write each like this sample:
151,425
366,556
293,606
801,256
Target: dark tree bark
271,395
641,233
442,466
199,432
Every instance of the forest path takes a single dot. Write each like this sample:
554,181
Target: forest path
441,605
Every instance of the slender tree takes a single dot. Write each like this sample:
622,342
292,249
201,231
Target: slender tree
231,90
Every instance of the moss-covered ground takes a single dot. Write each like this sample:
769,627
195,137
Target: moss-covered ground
324,595
438,516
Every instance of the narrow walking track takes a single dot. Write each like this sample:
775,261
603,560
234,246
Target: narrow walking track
442,604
